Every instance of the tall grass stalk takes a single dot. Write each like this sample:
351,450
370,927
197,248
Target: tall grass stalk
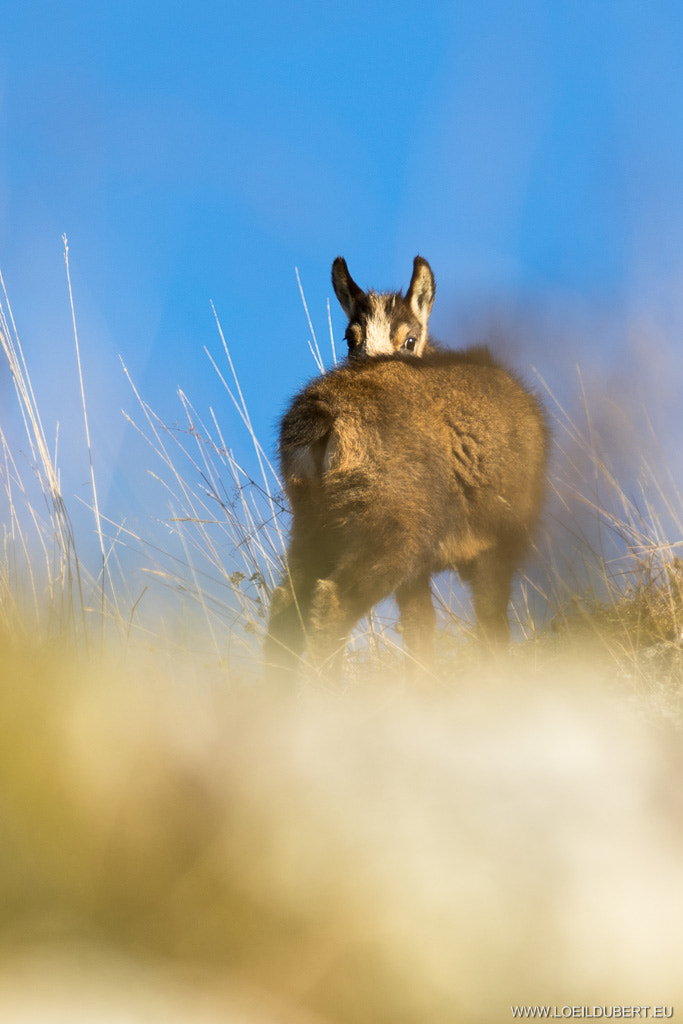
312,341
66,604
96,506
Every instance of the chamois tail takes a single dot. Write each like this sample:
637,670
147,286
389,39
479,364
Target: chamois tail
305,440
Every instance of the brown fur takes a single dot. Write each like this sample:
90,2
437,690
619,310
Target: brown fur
397,468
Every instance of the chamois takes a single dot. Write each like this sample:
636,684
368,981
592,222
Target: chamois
403,462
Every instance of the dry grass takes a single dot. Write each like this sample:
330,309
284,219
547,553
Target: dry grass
605,569
614,582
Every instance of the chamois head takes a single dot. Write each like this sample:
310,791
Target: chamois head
382,323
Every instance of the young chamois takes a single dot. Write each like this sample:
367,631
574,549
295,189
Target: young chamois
405,461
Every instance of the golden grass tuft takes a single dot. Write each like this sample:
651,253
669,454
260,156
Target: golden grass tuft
382,857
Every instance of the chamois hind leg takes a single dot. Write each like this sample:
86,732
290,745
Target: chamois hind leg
357,584
331,621
285,637
418,620
290,608
490,575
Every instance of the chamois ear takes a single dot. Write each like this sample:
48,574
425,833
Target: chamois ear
345,288
422,289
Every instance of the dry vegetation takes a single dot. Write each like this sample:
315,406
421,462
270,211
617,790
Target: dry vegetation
179,842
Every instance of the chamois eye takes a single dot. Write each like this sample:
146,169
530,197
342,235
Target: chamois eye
409,344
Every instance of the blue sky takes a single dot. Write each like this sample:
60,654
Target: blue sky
198,152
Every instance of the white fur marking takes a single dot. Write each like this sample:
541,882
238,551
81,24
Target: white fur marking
378,334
